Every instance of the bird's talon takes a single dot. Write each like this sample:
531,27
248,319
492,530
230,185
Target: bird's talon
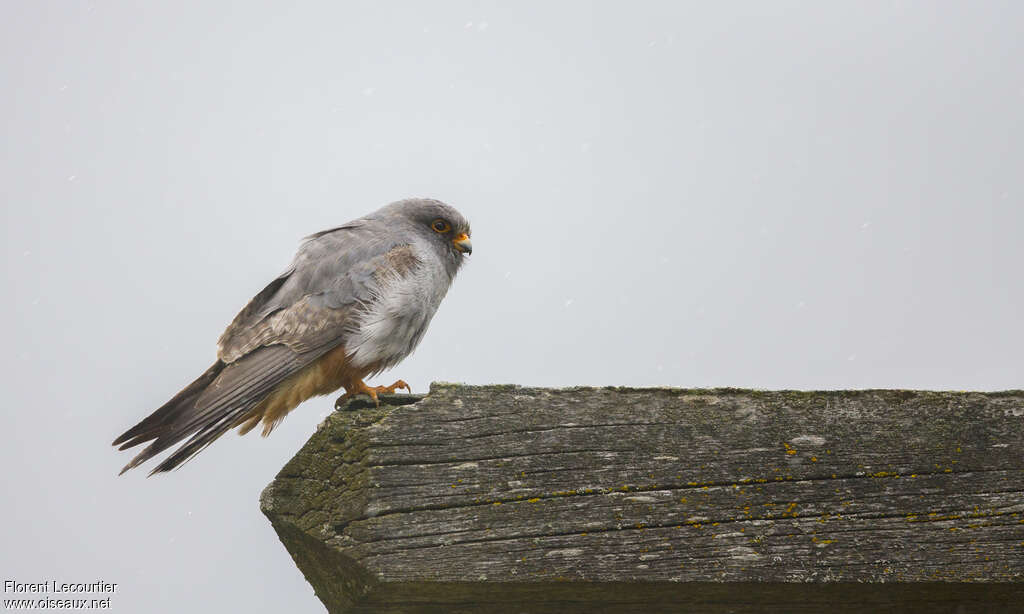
391,389
370,391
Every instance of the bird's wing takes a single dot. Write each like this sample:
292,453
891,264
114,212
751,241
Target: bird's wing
295,320
334,269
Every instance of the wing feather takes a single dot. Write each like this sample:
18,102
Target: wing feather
333,269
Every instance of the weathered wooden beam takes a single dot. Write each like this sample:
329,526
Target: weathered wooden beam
511,499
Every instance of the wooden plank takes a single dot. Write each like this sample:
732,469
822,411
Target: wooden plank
567,499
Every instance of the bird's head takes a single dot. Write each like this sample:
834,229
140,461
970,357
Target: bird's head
439,223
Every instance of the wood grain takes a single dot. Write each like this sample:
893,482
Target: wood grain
513,499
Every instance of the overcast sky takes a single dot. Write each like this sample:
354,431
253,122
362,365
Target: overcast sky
756,194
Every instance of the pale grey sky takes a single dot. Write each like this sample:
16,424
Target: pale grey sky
757,194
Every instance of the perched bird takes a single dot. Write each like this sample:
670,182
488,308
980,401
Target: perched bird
356,300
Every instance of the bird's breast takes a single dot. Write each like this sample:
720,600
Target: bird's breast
392,324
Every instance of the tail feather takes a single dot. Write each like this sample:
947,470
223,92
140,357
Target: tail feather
240,384
199,441
215,402
196,444
161,424
158,421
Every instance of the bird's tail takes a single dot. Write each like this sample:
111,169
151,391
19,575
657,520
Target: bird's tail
151,426
223,397
165,424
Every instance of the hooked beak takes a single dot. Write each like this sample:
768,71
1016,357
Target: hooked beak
463,244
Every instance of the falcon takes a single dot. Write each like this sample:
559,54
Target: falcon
355,301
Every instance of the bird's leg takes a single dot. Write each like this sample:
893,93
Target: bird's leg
391,389
372,391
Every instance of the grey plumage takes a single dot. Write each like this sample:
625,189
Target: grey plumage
368,289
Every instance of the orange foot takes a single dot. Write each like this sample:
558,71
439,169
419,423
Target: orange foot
372,391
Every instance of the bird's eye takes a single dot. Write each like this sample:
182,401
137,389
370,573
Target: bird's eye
440,226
